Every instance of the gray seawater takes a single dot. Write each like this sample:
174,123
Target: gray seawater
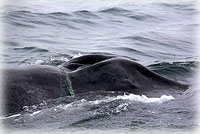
157,34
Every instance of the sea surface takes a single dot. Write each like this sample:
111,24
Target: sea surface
159,34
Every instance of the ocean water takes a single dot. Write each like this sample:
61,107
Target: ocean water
161,35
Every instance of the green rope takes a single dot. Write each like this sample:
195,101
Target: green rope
67,83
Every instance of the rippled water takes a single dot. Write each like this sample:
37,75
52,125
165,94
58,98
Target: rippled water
147,32
158,34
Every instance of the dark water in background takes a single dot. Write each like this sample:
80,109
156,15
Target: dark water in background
158,34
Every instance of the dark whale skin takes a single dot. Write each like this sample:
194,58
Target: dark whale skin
31,84
120,74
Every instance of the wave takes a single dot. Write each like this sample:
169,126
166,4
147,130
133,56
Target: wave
86,22
181,6
178,68
32,49
142,17
129,14
146,41
30,19
24,13
115,10
139,38
127,49
86,13
23,24
58,14
19,14
25,19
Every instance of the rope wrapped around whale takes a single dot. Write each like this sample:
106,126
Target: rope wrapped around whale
65,84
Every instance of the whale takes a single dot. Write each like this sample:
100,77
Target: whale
32,84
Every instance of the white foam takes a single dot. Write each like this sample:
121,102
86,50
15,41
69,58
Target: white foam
145,99
52,58
39,62
77,55
73,104
131,97
121,107
34,113
12,116
107,99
